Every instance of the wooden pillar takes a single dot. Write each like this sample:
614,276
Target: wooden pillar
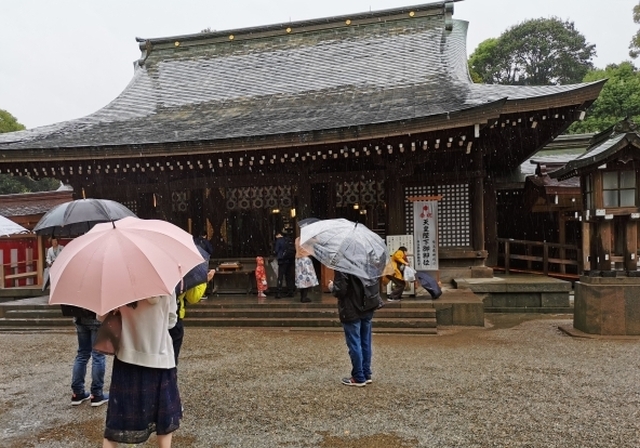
478,211
331,200
604,244
395,203
585,263
490,217
303,196
562,239
631,246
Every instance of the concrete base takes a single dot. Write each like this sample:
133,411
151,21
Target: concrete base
461,308
520,293
607,306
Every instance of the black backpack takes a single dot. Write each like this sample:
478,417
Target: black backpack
289,250
76,311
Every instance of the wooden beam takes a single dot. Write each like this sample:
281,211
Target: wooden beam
631,246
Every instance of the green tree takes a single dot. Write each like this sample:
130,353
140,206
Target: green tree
20,184
620,98
8,122
634,46
482,63
535,52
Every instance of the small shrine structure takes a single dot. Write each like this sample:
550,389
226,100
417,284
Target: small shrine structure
607,297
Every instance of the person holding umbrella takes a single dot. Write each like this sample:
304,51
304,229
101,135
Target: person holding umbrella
52,253
191,289
358,257
144,396
87,329
131,267
356,305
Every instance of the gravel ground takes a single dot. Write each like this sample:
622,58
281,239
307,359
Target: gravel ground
518,382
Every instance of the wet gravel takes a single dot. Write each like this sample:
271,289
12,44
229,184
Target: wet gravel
514,383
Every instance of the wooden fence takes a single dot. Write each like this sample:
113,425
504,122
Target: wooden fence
21,261
539,257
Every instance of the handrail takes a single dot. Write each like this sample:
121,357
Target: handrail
538,256
33,264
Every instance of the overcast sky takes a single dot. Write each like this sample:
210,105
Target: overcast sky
65,59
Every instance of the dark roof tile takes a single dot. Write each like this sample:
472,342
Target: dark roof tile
386,67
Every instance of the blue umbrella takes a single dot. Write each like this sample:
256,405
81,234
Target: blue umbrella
196,275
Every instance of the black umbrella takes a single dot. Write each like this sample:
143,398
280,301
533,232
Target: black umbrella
78,217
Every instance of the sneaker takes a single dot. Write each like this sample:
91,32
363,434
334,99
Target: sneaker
77,399
352,382
389,299
369,381
99,400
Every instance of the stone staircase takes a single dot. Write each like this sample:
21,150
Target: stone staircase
408,316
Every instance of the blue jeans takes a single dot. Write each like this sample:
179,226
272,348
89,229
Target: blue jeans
87,329
358,336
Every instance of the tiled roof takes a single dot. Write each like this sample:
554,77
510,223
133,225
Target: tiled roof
27,204
604,147
296,78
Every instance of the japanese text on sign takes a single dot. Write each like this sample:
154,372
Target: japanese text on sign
425,234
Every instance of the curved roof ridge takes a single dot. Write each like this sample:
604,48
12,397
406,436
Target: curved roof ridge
435,8
412,67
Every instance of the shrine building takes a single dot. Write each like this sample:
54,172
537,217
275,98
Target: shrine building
243,132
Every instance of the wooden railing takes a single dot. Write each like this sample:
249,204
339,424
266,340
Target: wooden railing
552,259
19,270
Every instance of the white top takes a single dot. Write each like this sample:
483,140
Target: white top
52,254
145,339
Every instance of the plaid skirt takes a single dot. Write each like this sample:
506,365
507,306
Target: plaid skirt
142,400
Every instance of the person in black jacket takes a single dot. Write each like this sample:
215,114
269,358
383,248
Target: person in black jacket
285,250
356,305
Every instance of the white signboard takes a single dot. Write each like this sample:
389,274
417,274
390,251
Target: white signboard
395,241
425,234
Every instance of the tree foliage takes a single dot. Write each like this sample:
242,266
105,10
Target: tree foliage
8,122
535,52
634,46
620,98
20,184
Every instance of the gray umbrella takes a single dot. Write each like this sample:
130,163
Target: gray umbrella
346,246
78,217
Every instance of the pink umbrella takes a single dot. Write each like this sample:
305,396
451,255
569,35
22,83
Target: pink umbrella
121,262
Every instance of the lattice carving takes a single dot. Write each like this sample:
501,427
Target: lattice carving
246,198
363,193
454,212
180,201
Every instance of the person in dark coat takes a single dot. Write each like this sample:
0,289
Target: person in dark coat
191,288
285,250
204,242
356,305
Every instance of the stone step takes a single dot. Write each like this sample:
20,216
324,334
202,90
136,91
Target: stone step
399,317
533,310
301,314
209,312
305,322
240,322
36,322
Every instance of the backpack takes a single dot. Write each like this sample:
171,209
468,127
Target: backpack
77,312
289,250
